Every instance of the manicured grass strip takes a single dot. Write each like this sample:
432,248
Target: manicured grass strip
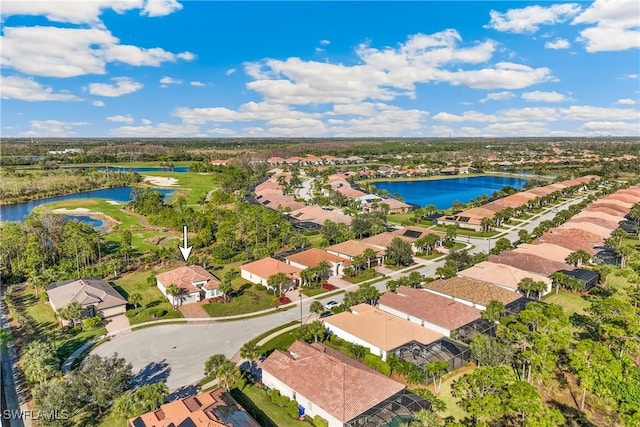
313,292
245,299
280,342
274,330
363,275
569,301
260,407
197,185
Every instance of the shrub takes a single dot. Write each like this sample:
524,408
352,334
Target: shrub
318,421
328,286
292,409
273,394
283,300
260,287
375,362
92,323
389,261
281,401
311,233
157,312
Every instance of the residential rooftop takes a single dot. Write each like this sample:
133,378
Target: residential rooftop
501,274
472,290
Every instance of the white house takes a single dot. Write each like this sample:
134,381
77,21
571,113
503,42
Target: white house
327,383
196,284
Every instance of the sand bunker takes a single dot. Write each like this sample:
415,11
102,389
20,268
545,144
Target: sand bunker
113,202
161,181
77,211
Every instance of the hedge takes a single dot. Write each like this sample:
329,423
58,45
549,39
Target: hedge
375,362
318,421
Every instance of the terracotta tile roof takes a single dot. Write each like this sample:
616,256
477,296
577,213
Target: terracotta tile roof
211,409
185,276
501,274
545,250
395,204
353,248
318,215
440,311
383,240
515,200
590,214
314,256
341,386
532,263
541,191
571,238
617,201
267,267
614,205
413,230
380,328
480,212
84,291
625,197
475,291
603,232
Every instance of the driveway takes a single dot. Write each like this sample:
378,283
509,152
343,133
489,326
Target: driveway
118,323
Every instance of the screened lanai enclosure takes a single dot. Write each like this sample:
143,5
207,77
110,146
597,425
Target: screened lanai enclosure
392,412
455,354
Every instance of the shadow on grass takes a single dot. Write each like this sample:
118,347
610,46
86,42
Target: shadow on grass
572,417
120,290
257,414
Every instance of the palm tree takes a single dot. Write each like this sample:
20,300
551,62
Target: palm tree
437,369
226,288
368,255
624,252
317,308
228,374
493,311
173,291
424,418
486,224
135,299
250,351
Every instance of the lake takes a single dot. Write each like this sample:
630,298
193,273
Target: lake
18,211
180,169
443,192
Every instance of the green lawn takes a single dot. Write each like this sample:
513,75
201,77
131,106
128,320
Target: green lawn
453,410
569,301
434,254
315,240
466,231
280,342
44,316
313,292
258,404
400,218
362,276
247,299
152,299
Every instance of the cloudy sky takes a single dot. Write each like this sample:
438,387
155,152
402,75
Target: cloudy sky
153,68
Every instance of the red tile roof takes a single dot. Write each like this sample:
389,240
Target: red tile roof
475,291
267,267
341,386
185,276
314,256
528,262
440,311
573,239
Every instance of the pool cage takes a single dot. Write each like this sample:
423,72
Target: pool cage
455,354
479,326
392,411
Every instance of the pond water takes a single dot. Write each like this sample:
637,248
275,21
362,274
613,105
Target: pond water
443,192
180,169
94,222
18,211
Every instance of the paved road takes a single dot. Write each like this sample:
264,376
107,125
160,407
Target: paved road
176,353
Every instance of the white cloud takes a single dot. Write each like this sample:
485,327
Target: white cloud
120,119
159,130
154,8
122,86
540,96
197,84
586,112
222,131
558,44
617,25
250,111
612,128
75,12
52,128
630,76
97,103
325,42
26,89
70,52
529,19
146,122
166,81
626,101
497,96
230,71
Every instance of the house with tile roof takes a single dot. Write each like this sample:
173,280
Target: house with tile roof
215,408
327,383
314,256
427,309
529,262
352,248
545,250
393,205
259,271
97,297
377,330
472,292
503,275
195,282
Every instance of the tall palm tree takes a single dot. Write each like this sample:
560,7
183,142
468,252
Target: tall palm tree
173,291
250,351
135,299
228,374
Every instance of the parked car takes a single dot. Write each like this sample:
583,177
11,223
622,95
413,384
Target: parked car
331,304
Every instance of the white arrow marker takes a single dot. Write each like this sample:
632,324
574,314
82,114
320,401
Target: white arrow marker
186,250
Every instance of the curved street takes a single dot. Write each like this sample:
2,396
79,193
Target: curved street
176,353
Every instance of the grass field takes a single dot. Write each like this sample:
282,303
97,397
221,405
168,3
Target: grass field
363,275
569,301
152,299
280,342
196,185
258,404
453,410
246,299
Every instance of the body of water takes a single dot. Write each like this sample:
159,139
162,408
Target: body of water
18,211
94,222
180,169
443,192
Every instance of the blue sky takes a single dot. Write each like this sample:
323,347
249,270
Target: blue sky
154,68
